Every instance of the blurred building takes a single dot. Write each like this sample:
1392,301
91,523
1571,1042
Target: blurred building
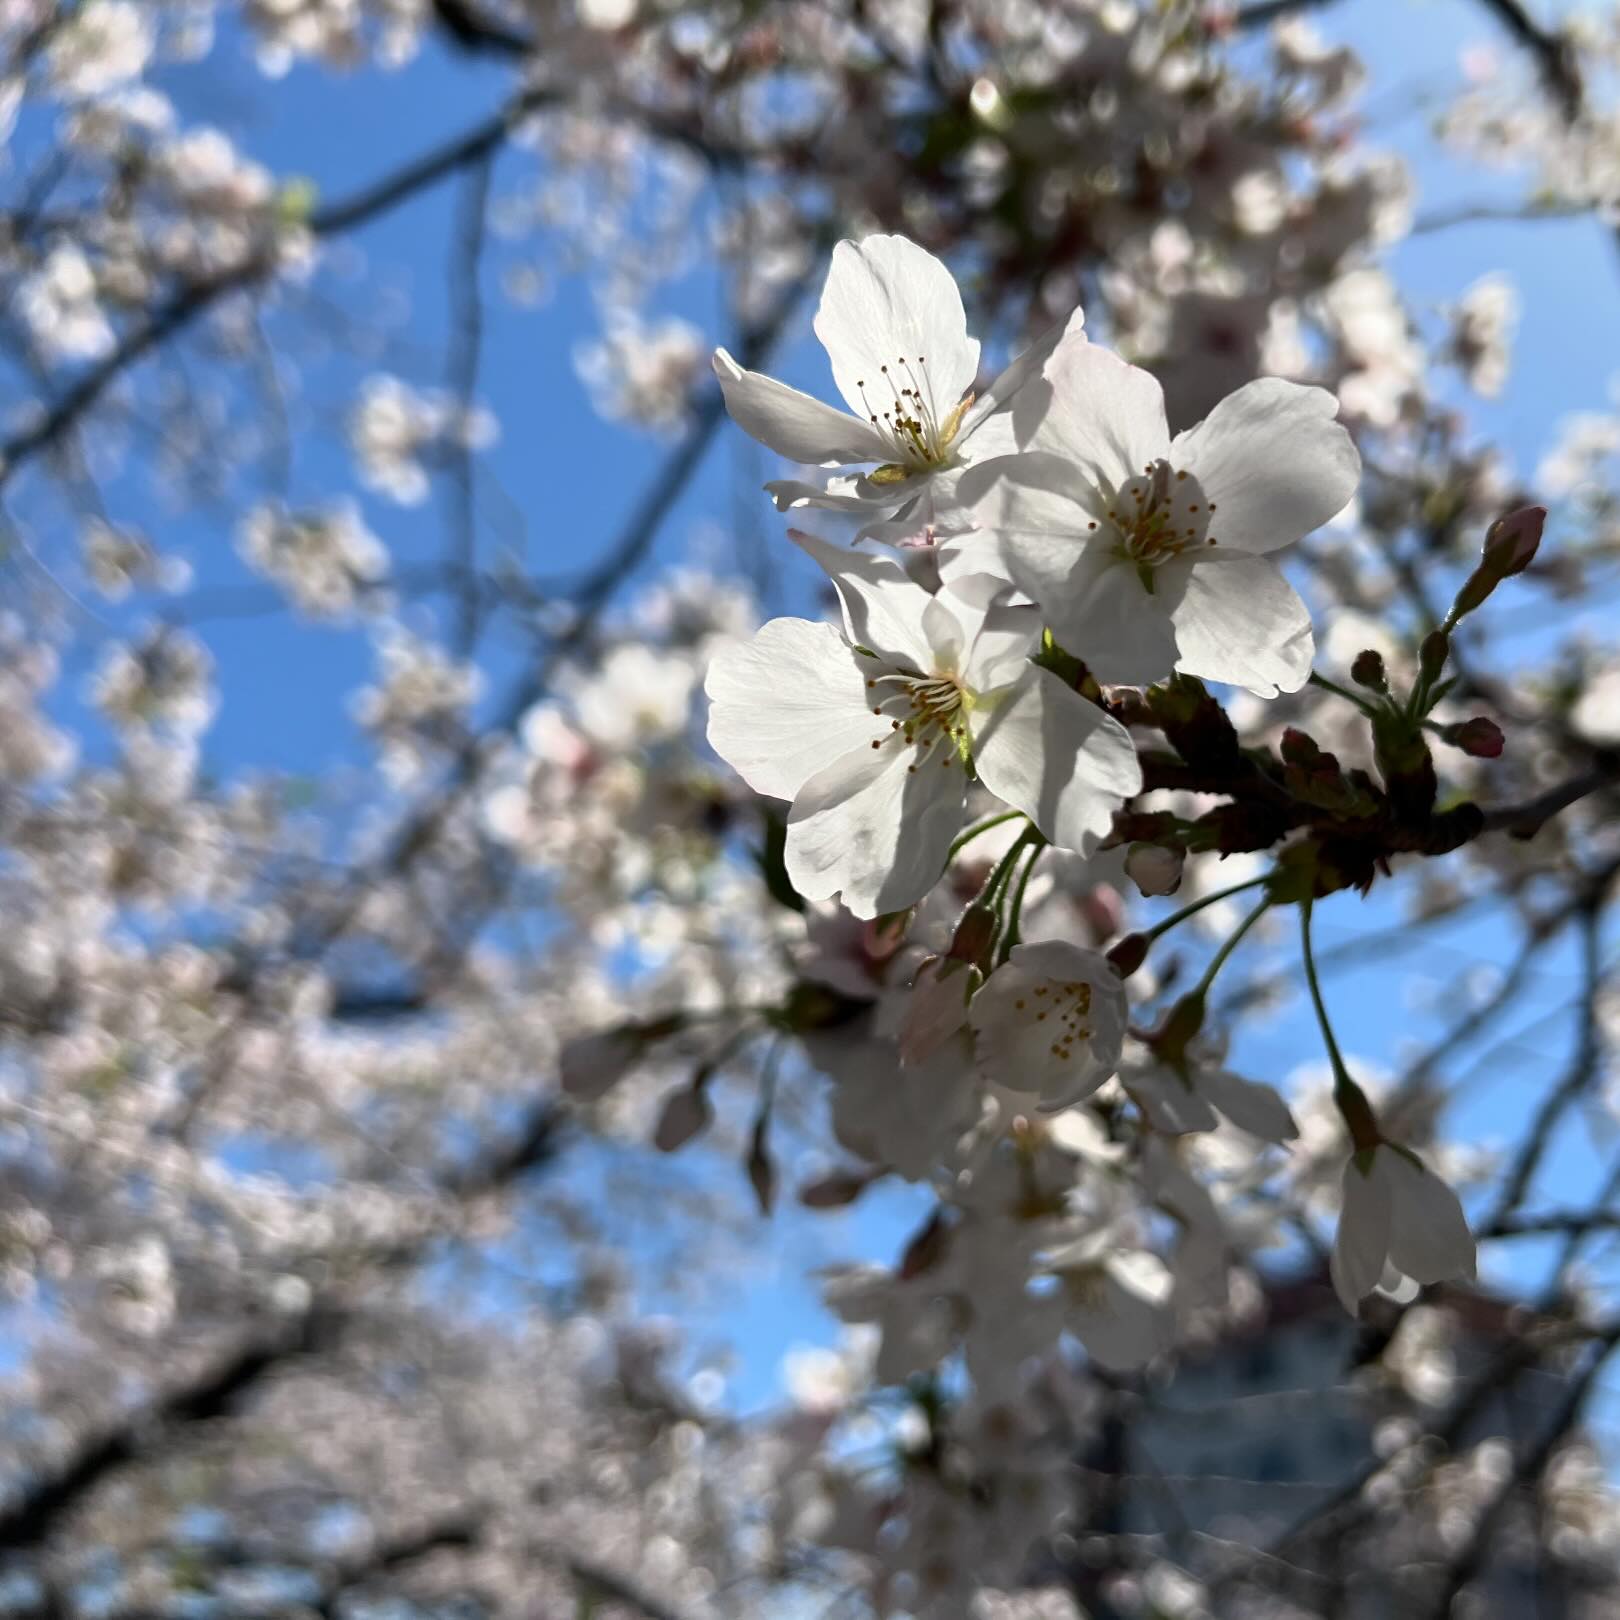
1274,1448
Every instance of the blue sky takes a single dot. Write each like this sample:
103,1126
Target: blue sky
572,477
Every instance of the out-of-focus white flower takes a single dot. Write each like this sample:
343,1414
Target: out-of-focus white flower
60,304
1050,1023
636,695
1398,1219
1482,328
394,426
100,45
165,679
325,559
642,372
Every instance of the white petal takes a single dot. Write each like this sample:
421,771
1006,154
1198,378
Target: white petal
1005,637
786,704
838,493
1429,1237
1050,1022
1170,1104
1250,1105
1361,1244
1042,519
1108,617
1105,416
1273,461
870,827
793,424
890,303
1045,750
1019,398
1120,1328
1239,621
883,608
943,629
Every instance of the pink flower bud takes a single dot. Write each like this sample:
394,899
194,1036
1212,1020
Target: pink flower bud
1478,737
1511,541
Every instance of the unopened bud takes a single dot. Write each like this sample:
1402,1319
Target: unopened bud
938,1007
1478,737
686,1114
926,1248
1154,869
1128,954
1368,670
835,1191
1511,541
974,935
1179,1030
1299,747
1510,544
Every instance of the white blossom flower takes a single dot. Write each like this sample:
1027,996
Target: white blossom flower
325,558
61,306
1115,1301
892,323
100,46
1148,554
1050,1022
1180,1105
1397,1216
943,685
641,371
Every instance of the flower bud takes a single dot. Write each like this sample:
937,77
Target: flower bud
1128,954
1479,737
1510,544
686,1114
1171,1040
938,1007
974,935
1154,869
1368,670
1511,541
837,1189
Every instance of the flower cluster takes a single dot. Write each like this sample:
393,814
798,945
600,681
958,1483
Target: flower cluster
1020,555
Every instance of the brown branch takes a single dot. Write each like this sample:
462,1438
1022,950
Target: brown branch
1524,820
1553,54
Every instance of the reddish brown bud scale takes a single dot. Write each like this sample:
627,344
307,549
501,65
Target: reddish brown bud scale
1128,954
1368,670
1479,737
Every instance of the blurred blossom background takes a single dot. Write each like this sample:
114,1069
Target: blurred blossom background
445,1170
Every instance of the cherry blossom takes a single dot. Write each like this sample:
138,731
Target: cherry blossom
1397,1217
947,688
892,323
1051,1023
1148,554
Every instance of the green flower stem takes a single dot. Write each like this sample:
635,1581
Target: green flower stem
1349,1098
1341,691
1010,938
1218,961
992,891
973,832
1164,927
